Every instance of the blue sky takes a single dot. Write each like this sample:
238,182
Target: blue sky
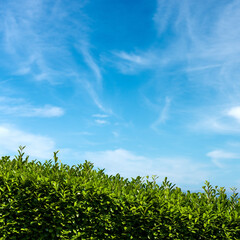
136,87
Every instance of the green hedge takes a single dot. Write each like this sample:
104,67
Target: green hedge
56,201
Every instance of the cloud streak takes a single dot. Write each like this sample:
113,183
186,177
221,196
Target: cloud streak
219,157
84,49
94,96
25,110
134,63
164,114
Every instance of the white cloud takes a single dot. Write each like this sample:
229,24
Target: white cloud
128,164
36,146
235,113
222,154
100,121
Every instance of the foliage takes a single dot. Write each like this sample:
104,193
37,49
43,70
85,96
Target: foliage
56,201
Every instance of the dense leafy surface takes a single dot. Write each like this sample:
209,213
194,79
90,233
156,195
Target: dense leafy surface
56,201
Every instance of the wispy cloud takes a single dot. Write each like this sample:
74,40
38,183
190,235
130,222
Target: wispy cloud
133,58
202,68
21,33
100,119
92,92
33,37
163,13
163,116
219,157
46,111
224,120
133,63
203,48
215,44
